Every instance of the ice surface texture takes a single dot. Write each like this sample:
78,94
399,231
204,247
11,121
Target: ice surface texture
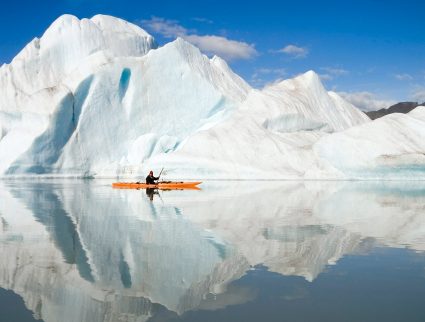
97,97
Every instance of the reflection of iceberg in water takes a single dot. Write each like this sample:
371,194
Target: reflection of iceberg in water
85,252
108,247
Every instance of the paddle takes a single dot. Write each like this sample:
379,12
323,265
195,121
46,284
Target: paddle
160,173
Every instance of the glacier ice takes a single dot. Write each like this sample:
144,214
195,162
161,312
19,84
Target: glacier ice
269,137
98,98
391,147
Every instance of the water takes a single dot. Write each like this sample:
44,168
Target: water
236,251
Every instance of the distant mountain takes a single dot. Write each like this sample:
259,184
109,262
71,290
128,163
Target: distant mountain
402,107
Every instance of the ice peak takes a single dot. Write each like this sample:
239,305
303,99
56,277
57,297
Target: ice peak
60,25
309,80
310,77
103,22
180,40
182,44
214,70
69,42
184,48
63,20
115,24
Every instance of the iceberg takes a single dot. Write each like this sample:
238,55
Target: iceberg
114,109
98,98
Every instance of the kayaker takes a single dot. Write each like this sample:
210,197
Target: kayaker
150,179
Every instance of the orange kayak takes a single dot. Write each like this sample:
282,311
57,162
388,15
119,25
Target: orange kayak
169,185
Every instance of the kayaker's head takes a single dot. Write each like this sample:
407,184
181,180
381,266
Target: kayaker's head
151,173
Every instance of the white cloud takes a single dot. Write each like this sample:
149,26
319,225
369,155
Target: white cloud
275,71
223,47
210,44
203,20
326,77
418,95
366,101
403,77
335,71
164,27
294,51
332,73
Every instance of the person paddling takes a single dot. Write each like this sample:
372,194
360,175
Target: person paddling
150,179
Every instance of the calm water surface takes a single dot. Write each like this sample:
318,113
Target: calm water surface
73,251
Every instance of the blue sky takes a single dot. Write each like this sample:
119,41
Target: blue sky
373,51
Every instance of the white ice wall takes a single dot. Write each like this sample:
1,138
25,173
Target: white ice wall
96,97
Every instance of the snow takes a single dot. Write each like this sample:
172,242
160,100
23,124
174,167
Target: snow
97,98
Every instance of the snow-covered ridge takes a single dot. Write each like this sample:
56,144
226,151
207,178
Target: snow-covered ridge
92,98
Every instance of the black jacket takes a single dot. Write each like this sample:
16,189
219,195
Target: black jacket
151,180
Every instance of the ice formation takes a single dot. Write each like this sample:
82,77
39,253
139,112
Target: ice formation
97,98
